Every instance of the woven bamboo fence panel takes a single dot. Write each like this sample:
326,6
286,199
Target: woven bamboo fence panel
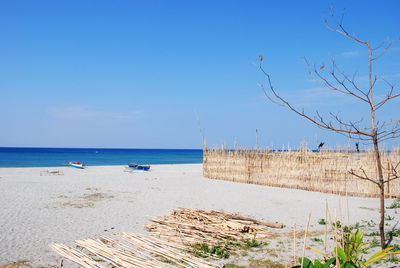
324,171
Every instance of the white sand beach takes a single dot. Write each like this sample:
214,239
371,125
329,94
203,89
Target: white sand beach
37,208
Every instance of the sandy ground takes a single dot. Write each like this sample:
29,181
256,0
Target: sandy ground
37,208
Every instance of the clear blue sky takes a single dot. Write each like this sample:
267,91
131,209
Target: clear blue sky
134,74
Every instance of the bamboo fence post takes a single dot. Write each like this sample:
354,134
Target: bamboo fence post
294,245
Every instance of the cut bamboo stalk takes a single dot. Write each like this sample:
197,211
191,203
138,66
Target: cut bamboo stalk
294,245
305,240
326,225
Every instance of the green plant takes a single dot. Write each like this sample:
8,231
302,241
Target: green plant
389,218
264,264
353,245
231,265
369,223
250,243
348,255
357,225
316,239
203,250
395,204
97,259
393,233
307,263
322,221
396,247
256,264
165,260
373,234
374,243
225,248
337,224
344,260
393,259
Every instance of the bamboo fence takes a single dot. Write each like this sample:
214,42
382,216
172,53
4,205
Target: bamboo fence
325,171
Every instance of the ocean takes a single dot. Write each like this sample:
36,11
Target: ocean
53,157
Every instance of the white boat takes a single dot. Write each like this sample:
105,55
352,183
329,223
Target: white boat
76,164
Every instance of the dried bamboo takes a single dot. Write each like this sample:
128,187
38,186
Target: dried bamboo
188,226
75,256
166,250
326,171
118,254
176,234
305,240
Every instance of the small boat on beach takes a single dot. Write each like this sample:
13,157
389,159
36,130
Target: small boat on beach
139,167
76,164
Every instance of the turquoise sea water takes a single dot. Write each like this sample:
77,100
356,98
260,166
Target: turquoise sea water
51,157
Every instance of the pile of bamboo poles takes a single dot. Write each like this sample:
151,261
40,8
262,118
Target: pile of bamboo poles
167,250
170,243
325,171
189,226
129,250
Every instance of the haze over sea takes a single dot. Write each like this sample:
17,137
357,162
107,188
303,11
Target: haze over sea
52,157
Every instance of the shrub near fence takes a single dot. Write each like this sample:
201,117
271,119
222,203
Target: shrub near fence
324,171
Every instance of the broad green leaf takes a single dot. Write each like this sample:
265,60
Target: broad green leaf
348,265
359,236
307,262
329,262
340,253
317,264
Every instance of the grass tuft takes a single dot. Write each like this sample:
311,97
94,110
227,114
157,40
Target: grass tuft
395,204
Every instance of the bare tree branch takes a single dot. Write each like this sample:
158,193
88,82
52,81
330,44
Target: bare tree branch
269,97
389,96
341,30
319,122
393,175
345,90
363,177
386,49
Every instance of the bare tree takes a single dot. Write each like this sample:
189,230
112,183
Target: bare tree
335,79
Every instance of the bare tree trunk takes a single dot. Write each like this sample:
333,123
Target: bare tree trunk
374,134
382,191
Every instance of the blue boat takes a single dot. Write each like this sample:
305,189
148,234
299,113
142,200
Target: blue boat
139,167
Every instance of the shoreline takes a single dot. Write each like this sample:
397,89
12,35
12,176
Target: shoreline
102,166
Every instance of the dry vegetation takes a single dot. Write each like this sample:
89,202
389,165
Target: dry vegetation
182,239
86,200
23,264
325,171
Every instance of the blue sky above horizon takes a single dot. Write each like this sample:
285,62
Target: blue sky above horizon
146,74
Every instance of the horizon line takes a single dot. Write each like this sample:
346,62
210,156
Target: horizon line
100,148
